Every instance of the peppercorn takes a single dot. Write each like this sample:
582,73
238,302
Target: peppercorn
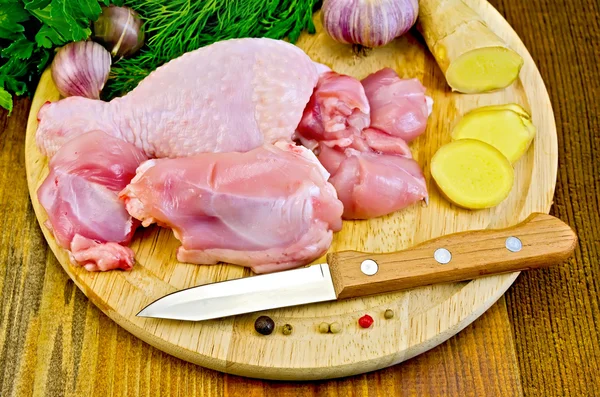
335,328
365,321
264,325
286,329
389,313
323,328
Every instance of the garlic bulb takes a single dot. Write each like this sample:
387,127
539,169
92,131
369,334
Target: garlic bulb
81,69
120,29
371,23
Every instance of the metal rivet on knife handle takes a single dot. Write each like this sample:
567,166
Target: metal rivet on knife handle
442,256
369,267
513,244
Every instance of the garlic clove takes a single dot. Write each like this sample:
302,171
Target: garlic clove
120,30
81,69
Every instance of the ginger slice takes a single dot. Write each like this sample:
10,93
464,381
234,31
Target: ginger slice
472,174
508,128
472,57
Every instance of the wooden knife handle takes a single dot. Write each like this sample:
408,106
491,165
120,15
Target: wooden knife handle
539,241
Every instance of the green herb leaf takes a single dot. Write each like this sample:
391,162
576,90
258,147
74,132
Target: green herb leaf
88,9
62,17
43,61
6,100
12,84
20,48
47,37
11,14
63,23
35,4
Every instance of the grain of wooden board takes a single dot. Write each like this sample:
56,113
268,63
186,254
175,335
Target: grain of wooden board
425,316
545,342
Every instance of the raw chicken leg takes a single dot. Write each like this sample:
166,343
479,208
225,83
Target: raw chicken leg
233,95
270,208
80,198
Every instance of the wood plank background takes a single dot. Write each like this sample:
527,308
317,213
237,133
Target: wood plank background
542,340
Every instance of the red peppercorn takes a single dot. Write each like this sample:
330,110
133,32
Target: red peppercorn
365,321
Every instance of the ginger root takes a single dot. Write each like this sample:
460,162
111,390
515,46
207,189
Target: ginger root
472,57
508,128
472,174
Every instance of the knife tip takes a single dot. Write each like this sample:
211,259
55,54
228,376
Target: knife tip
143,313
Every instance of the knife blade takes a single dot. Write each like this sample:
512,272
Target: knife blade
539,241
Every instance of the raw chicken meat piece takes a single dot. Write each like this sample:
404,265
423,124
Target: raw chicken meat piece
233,95
80,196
373,184
373,140
269,209
398,107
360,133
336,113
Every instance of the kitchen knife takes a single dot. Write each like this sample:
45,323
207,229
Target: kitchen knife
539,241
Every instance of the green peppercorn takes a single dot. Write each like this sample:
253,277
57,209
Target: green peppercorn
389,313
335,328
286,329
264,325
323,328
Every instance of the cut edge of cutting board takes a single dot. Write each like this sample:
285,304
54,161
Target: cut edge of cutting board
466,301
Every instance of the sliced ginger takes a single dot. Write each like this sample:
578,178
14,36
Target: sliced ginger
472,174
508,128
472,57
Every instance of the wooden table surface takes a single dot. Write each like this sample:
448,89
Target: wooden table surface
541,339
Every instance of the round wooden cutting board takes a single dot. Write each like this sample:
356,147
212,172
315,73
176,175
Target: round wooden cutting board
424,317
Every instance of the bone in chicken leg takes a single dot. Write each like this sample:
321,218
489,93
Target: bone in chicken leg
233,95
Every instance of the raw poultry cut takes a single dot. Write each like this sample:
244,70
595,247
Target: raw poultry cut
228,193
269,209
337,112
233,95
371,165
399,107
373,184
80,196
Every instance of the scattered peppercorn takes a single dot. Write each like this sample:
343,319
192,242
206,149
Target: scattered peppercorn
264,325
287,329
335,328
389,313
323,328
365,321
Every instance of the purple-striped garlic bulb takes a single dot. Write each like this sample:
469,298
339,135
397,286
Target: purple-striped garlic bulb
81,69
370,23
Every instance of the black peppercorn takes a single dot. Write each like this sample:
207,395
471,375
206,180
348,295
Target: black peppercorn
264,325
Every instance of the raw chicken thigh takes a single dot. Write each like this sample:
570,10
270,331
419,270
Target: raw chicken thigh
371,184
80,196
398,107
233,95
269,209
